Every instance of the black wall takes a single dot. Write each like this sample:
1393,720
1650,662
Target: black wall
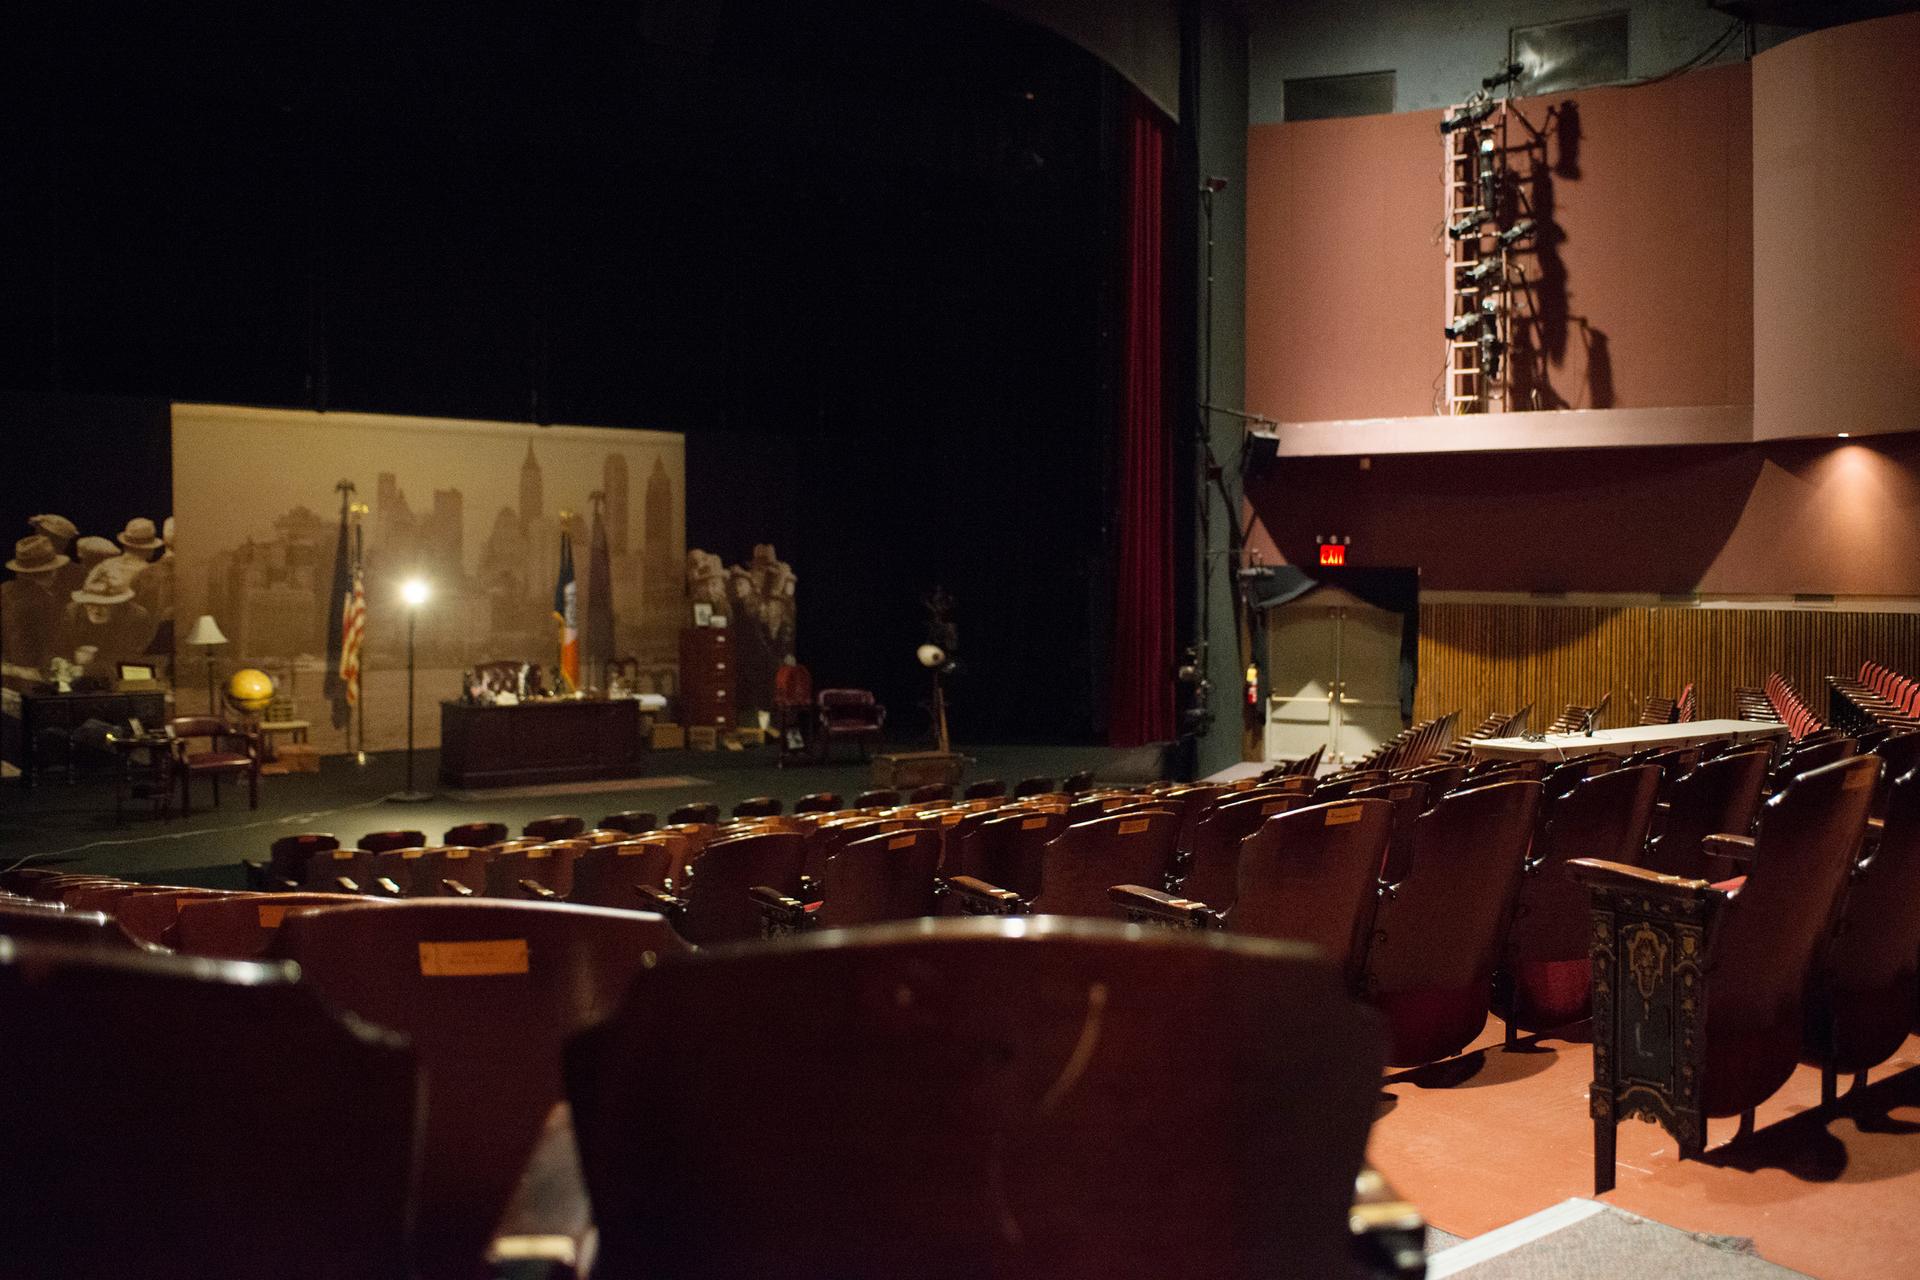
865,255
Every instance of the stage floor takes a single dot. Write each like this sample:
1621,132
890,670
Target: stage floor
74,825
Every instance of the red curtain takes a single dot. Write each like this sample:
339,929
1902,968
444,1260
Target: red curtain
1141,701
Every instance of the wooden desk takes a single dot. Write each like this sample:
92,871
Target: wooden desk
534,742
1555,747
62,713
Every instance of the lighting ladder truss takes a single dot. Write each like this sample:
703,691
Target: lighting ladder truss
1479,276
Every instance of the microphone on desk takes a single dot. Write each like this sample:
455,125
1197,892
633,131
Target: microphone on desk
1586,725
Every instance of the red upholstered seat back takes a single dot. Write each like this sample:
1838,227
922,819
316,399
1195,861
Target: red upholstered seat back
1312,874
1436,934
245,927
1088,858
1762,946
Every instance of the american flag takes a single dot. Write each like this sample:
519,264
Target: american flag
353,628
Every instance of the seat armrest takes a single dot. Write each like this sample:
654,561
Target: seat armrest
455,888
779,914
1725,845
978,898
652,899
534,889
385,888
1143,905
547,1230
346,884
1389,1234
1600,875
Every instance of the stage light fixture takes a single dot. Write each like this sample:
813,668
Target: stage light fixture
1506,75
1462,325
1471,114
1479,271
1467,225
414,592
1490,350
1517,231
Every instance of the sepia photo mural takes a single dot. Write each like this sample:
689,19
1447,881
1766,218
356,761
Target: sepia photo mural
476,509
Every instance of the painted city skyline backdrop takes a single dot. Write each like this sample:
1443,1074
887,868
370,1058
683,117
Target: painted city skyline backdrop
475,507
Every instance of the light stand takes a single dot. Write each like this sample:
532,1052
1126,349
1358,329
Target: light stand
414,593
206,636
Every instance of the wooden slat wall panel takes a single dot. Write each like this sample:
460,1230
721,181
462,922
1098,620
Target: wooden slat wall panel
1486,657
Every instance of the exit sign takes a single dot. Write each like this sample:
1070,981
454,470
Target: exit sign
1333,554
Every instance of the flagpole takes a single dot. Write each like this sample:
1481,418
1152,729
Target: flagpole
359,568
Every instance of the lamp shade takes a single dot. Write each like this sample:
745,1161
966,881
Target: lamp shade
205,632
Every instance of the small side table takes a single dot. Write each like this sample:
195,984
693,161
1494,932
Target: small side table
146,772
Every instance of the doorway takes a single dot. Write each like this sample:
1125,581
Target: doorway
1333,673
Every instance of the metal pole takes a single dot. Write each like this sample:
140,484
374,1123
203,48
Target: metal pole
412,615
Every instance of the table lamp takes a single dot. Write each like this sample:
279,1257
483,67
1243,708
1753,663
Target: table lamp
206,633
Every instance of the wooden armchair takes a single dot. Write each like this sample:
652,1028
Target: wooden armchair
1698,988
887,876
232,751
1545,977
1080,864
1004,848
952,1098
610,875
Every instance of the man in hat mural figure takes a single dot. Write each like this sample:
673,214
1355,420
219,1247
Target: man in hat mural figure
104,625
153,588
32,615
65,537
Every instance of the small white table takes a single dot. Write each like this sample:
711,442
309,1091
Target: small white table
1624,742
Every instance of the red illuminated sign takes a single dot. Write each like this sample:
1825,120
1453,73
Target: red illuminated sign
1332,554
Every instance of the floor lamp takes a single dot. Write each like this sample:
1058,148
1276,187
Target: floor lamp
413,593
207,635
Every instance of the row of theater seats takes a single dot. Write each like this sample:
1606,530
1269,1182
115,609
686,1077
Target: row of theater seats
1881,698
944,1099
1790,708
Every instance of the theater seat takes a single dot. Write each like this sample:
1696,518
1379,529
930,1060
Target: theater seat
181,1119
1437,932
1020,1099
1310,874
1697,989
486,991
1212,865
1864,992
1546,975
1718,796
1080,864
887,876
716,902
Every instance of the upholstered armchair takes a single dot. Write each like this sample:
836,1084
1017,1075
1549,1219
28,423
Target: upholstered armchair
1698,988
849,713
